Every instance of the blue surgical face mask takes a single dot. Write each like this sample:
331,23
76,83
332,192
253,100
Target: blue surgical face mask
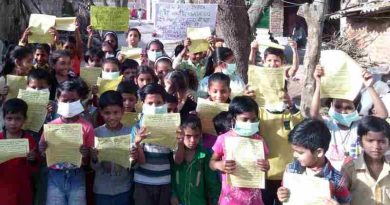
230,69
152,110
344,119
110,75
246,129
153,55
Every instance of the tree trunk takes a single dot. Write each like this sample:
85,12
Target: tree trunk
314,14
255,12
234,23
14,20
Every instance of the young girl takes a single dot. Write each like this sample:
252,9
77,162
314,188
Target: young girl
342,120
15,174
108,50
244,112
133,38
162,66
145,76
110,69
154,50
219,88
20,62
66,181
112,39
61,64
176,84
129,69
94,57
222,61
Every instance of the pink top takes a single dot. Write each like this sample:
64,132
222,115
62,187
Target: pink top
235,195
208,140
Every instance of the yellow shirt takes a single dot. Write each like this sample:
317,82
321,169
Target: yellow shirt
275,128
364,189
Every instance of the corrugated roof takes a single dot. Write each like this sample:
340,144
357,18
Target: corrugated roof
363,9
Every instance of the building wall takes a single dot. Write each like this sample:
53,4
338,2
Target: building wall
277,18
373,35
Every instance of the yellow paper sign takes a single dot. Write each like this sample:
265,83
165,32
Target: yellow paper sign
114,149
163,129
132,53
15,83
207,110
37,108
90,75
106,85
198,38
129,118
66,24
63,143
110,18
245,152
306,190
13,148
40,25
268,84
343,75
270,44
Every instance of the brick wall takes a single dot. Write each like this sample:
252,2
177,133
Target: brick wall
372,35
276,18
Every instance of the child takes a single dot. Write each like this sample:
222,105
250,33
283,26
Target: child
219,88
193,182
154,50
244,112
343,120
310,141
172,104
38,79
145,76
129,69
222,124
110,69
15,174
153,176
108,50
74,46
162,66
368,177
66,182
112,182
20,62
128,90
111,38
41,56
61,63
133,38
222,61
94,57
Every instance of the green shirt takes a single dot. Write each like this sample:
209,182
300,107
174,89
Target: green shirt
194,183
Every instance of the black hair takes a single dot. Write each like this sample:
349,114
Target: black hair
83,90
171,99
219,54
39,74
192,78
14,106
93,52
111,60
127,87
56,55
151,89
191,121
129,64
71,86
18,53
163,58
143,69
373,124
113,34
311,134
222,122
178,81
179,48
136,30
274,51
158,42
241,104
110,98
42,46
70,39
219,77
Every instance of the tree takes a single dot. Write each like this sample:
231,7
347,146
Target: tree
234,23
255,12
314,14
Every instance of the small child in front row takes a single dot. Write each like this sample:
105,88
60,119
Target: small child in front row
193,182
310,141
368,177
66,181
15,174
112,182
244,111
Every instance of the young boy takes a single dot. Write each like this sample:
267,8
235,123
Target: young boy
368,177
129,69
94,57
41,56
219,88
15,174
128,90
310,141
66,181
193,182
112,182
153,176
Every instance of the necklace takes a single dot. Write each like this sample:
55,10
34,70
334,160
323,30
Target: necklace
344,141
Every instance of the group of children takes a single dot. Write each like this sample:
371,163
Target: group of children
342,147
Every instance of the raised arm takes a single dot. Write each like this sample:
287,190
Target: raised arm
316,101
252,55
379,106
295,63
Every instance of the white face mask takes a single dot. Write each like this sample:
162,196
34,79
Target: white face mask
110,55
110,75
69,110
42,90
152,110
153,55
